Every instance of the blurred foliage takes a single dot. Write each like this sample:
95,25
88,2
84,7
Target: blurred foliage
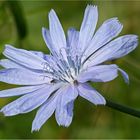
89,121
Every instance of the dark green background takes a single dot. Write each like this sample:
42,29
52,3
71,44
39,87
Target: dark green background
20,26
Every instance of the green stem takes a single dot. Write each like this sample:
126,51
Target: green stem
122,108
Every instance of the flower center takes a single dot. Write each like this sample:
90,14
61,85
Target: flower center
64,66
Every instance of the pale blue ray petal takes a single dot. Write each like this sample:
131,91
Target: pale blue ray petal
88,26
56,32
19,91
6,63
38,53
48,40
24,57
29,102
124,75
115,49
25,103
22,77
64,114
42,55
91,94
46,111
64,109
70,107
108,30
73,37
129,43
101,73
48,58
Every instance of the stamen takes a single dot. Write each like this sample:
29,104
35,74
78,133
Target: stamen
63,68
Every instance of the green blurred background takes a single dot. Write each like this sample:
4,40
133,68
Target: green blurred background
20,26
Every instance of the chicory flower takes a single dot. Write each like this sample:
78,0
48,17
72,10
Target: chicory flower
53,81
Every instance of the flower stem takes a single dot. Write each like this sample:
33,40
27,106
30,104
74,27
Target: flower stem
122,108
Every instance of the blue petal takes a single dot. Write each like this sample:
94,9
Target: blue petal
38,53
109,30
6,63
65,116
115,49
42,55
64,109
101,73
91,94
88,26
45,112
124,75
48,40
19,91
23,57
56,32
73,37
22,77
129,43
29,102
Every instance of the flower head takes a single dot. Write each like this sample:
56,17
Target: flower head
53,82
